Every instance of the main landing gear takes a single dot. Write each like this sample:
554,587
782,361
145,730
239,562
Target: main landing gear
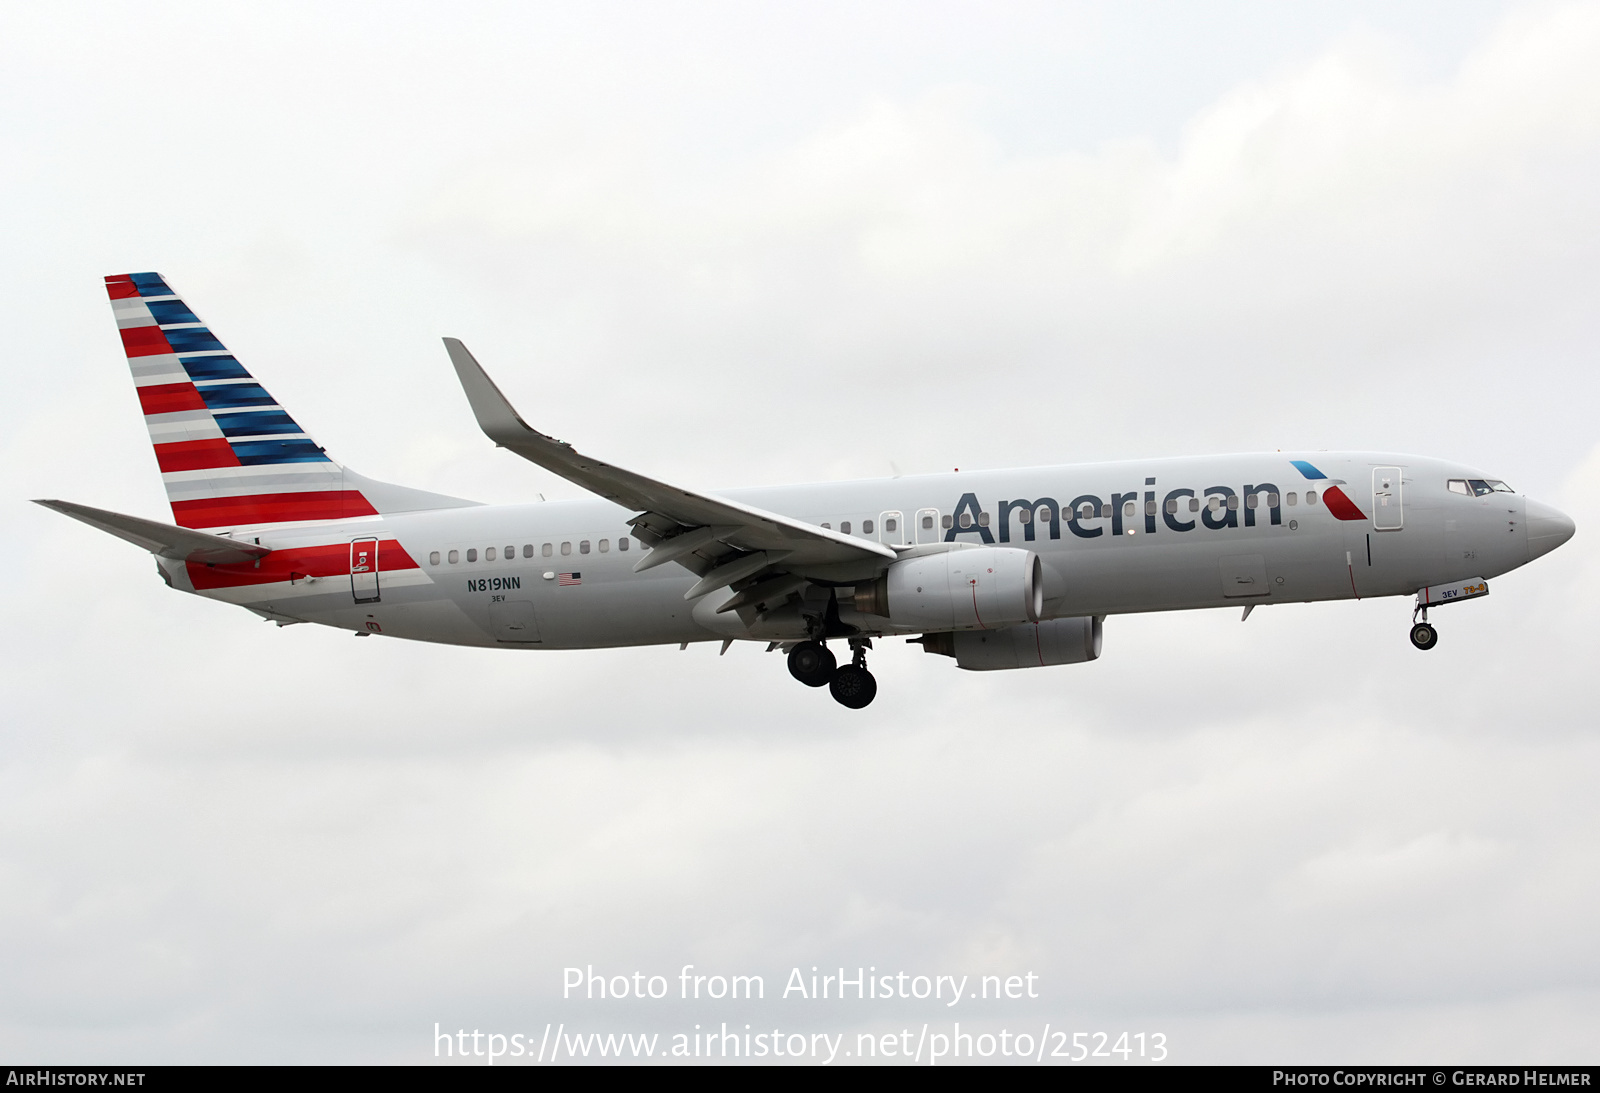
852,686
1423,635
811,663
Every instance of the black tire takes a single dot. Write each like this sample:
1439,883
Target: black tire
1424,636
811,663
853,687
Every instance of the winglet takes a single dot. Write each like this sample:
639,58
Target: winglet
496,416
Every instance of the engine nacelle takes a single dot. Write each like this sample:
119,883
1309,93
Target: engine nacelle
1059,641
984,588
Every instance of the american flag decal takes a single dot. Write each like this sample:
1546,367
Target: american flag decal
564,579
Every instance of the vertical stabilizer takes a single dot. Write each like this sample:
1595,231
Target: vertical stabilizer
230,456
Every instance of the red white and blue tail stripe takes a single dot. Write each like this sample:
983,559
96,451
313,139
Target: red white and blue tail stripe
229,454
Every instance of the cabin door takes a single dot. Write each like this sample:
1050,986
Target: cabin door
1386,512
364,570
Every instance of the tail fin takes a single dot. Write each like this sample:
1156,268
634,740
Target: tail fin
229,454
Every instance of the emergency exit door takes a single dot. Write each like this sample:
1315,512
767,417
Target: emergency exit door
892,530
364,570
928,526
1387,514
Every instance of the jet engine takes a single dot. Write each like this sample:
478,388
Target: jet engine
983,588
1037,645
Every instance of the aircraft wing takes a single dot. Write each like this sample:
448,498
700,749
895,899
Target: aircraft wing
680,525
180,544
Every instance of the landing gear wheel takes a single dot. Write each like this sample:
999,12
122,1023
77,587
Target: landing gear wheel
853,687
1424,636
811,663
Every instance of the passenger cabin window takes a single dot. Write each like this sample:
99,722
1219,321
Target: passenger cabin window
1127,508
1311,497
472,555
1213,503
433,559
488,554
605,546
1105,511
946,521
622,543
1087,513
1194,504
1292,498
983,519
1253,501
583,546
844,526
455,556
511,553
527,550
1272,500
1149,508
1172,505
547,550
1233,500
866,527
828,526
566,548
966,519
1026,516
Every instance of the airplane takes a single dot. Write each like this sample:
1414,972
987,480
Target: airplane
999,569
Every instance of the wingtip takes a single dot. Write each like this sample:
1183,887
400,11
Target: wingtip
496,416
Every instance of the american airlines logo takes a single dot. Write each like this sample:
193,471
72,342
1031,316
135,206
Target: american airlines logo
1180,510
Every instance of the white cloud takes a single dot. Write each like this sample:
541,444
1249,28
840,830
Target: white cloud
1289,839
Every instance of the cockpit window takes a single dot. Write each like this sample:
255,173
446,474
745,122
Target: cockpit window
1478,487
1483,486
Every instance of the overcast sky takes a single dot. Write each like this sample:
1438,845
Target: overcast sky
731,244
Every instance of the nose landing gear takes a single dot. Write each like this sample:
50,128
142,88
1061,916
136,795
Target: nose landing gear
852,686
1423,635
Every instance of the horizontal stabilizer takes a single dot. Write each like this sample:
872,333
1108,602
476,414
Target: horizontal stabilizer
179,544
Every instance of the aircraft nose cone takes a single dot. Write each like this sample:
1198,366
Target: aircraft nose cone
1548,528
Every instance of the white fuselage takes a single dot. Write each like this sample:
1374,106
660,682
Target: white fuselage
568,583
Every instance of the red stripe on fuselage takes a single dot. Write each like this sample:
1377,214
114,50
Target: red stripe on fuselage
272,508
297,564
121,288
144,341
1341,506
169,398
195,455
